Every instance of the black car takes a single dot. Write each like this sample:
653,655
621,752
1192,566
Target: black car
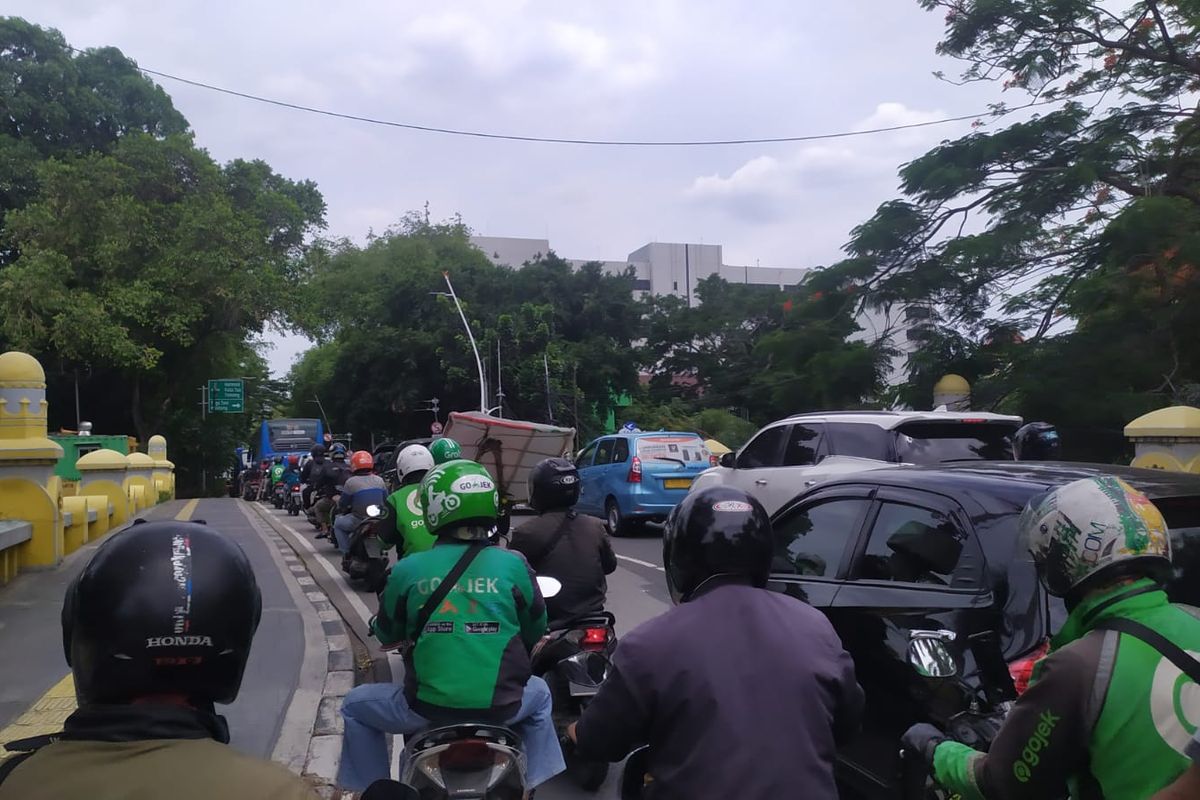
900,554
385,458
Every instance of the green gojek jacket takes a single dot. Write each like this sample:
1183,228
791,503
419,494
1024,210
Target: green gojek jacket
472,660
1105,716
277,473
409,535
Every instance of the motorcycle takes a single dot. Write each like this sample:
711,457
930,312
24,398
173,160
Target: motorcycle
467,761
366,558
279,494
294,499
574,660
250,487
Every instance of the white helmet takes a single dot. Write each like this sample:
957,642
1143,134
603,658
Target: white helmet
413,458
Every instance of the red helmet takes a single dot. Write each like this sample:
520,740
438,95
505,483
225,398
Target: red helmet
361,459
293,460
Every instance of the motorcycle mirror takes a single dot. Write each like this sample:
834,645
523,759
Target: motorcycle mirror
929,656
549,586
374,511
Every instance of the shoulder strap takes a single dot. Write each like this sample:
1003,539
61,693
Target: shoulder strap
9,764
24,749
443,589
552,542
1169,650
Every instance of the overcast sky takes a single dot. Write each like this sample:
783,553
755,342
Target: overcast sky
654,69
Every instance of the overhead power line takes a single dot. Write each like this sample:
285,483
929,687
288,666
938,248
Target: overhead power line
591,142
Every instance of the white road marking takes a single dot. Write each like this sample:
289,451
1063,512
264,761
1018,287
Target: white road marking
338,579
639,561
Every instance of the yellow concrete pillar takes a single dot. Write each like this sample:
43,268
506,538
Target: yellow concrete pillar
140,479
164,470
1167,439
28,487
75,535
953,392
104,473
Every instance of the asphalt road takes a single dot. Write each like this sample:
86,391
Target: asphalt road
637,592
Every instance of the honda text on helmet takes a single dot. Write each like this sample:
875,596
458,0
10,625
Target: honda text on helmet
445,449
715,532
459,499
553,484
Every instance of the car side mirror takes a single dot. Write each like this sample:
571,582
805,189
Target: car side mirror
929,655
728,460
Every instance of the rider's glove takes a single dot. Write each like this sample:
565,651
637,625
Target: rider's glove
922,739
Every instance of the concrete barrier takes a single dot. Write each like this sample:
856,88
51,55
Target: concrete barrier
103,474
1167,439
139,480
164,470
29,490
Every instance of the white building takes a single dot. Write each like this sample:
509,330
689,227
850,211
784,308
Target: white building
673,268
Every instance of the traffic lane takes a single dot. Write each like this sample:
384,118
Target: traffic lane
273,669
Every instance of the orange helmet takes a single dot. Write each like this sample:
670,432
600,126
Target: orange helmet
361,459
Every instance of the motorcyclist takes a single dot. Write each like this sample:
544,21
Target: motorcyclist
264,484
277,470
1107,713
470,661
291,474
558,542
1037,441
732,662
412,463
362,489
145,727
311,471
444,449
333,474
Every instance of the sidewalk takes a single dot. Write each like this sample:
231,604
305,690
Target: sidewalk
299,663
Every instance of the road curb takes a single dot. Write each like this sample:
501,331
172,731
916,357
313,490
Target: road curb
311,737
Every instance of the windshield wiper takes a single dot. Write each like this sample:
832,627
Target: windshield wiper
678,461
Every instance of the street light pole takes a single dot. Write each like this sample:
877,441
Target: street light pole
483,406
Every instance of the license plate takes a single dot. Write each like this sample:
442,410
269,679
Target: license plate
677,483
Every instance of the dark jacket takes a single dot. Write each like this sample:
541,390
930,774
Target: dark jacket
311,470
147,753
580,560
333,474
740,692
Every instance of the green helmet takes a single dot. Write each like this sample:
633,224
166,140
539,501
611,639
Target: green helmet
444,450
458,493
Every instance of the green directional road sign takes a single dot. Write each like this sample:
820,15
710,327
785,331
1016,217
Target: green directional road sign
226,395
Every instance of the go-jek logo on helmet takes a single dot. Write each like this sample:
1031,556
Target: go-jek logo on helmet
473,484
1175,704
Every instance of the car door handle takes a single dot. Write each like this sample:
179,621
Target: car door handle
809,483
760,482
939,635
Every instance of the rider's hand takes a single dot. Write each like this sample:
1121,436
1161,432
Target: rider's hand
571,732
922,739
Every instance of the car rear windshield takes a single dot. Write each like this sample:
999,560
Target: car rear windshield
943,442
672,449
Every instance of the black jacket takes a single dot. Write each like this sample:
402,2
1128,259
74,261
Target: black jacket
740,692
312,470
331,477
580,560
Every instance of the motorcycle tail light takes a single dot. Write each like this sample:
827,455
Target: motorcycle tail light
635,471
1021,670
713,460
594,638
469,755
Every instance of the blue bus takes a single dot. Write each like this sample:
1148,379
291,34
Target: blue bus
282,437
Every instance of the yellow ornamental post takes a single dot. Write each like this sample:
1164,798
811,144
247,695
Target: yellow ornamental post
1167,439
103,473
164,470
28,488
953,392
140,480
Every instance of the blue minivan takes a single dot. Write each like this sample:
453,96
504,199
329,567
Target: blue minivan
629,478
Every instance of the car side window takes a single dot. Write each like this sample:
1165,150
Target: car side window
862,441
584,459
811,539
802,446
604,453
620,451
911,544
764,450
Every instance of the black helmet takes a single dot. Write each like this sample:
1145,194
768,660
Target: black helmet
162,608
716,531
553,483
1037,441
318,451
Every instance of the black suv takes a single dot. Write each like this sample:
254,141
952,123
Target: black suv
898,554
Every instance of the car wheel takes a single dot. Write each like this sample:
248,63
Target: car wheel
614,520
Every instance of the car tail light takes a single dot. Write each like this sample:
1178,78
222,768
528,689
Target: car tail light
594,638
469,755
713,460
972,419
635,471
1021,670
